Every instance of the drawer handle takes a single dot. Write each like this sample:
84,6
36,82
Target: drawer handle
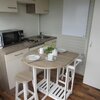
19,54
12,7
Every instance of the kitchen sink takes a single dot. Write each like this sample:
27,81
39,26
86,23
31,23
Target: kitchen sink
37,38
42,37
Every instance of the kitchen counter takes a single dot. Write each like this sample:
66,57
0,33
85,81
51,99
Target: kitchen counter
25,44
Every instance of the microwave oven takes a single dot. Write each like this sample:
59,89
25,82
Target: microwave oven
10,37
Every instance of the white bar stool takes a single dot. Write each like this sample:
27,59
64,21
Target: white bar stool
24,78
61,91
70,71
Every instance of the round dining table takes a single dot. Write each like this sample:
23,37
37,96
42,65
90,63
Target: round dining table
62,60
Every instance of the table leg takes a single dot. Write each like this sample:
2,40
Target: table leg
35,83
58,73
48,80
66,81
48,84
45,73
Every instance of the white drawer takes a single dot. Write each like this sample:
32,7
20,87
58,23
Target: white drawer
16,55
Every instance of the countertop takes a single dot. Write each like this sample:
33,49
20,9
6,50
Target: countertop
25,44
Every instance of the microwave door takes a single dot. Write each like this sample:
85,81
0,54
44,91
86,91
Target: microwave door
0,41
10,38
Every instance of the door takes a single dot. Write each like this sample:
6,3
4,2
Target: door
92,71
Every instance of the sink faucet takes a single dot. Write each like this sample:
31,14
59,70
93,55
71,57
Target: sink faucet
41,35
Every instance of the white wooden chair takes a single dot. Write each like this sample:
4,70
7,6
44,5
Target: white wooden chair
24,78
70,73
57,91
74,64
67,79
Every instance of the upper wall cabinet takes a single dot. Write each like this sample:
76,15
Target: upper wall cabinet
42,6
38,7
8,5
26,1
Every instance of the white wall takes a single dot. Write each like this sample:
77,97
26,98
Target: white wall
75,14
51,24
20,20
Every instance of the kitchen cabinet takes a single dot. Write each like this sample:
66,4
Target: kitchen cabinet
51,43
39,7
37,47
8,5
42,6
11,64
14,65
26,1
92,70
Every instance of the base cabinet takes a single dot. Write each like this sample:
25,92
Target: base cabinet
14,65
51,43
11,64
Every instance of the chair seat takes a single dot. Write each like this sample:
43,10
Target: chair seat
25,76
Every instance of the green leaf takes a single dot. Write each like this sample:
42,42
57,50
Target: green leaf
48,50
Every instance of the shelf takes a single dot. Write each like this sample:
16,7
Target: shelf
56,91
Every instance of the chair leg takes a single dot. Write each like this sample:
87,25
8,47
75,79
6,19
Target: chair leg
63,70
25,90
58,73
73,75
45,73
67,83
16,91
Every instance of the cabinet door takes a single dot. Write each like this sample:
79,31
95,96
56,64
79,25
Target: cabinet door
42,6
14,65
92,71
8,6
26,1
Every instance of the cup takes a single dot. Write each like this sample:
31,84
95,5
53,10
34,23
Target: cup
55,53
41,51
50,57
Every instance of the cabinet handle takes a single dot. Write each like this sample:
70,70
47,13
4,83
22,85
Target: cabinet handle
12,7
19,54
